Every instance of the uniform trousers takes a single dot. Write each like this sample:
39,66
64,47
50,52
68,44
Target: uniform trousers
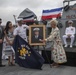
71,37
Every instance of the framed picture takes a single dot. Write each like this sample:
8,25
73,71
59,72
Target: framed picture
36,33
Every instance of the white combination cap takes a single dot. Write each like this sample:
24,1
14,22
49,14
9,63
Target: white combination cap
36,29
70,21
19,19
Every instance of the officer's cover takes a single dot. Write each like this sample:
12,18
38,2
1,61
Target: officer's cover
25,56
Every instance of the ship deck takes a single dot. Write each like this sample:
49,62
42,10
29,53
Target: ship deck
46,70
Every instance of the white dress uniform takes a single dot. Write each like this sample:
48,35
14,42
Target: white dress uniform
21,31
69,30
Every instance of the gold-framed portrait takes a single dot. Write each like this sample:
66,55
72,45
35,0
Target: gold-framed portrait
36,33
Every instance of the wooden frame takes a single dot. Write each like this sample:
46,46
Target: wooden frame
32,39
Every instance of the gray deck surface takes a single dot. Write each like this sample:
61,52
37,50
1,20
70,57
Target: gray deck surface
46,70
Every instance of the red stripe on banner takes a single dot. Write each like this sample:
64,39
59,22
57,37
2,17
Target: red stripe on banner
51,16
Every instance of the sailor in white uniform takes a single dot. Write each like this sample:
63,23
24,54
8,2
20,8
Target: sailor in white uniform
21,30
69,33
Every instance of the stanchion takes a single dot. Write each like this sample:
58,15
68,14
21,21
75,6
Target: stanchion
47,56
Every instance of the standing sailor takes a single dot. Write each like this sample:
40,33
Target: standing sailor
21,30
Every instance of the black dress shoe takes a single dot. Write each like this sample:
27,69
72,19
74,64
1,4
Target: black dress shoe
2,65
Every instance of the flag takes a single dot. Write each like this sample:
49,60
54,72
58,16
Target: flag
25,56
53,13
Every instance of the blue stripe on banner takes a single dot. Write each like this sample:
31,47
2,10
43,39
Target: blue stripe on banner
52,10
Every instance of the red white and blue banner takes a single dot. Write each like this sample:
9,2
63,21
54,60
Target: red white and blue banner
53,13
28,19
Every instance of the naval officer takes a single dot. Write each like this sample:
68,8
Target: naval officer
69,33
36,37
21,30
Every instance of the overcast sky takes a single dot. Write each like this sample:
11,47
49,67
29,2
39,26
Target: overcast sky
8,8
